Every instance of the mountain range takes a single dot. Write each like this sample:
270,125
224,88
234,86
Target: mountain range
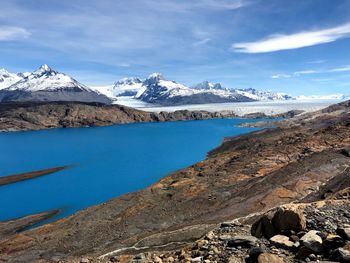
46,84
156,89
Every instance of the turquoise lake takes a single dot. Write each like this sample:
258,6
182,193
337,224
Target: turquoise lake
108,161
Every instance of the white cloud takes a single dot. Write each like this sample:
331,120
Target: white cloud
124,65
342,69
8,33
294,41
305,72
224,4
317,61
280,76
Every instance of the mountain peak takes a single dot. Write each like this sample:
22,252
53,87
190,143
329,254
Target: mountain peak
156,75
4,71
208,85
43,69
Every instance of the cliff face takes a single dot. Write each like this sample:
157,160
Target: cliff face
36,116
246,174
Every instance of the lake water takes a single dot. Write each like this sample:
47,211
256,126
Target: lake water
110,161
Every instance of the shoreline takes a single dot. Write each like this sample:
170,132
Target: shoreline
41,116
14,226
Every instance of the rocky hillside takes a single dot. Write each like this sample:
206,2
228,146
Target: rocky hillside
36,116
306,159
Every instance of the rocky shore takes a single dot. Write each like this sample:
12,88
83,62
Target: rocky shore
304,162
46,115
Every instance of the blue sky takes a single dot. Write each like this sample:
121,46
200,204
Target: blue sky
298,47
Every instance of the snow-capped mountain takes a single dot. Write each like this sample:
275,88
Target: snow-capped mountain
46,84
7,78
166,92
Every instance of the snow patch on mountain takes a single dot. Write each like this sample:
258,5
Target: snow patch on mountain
324,97
7,78
263,95
126,87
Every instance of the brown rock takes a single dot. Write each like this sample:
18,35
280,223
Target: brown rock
277,221
269,258
281,241
263,227
201,243
234,259
288,219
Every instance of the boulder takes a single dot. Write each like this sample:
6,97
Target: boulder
312,241
263,227
197,259
254,253
243,241
201,243
288,219
333,242
344,232
341,255
281,241
303,253
279,220
269,258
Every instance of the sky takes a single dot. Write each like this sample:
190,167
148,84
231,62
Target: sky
296,47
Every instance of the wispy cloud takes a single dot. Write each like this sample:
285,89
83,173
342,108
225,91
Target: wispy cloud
305,72
8,33
279,42
224,4
341,69
312,71
281,76
320,61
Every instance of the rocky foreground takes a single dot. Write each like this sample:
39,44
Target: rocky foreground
303,232
46,115
305,161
